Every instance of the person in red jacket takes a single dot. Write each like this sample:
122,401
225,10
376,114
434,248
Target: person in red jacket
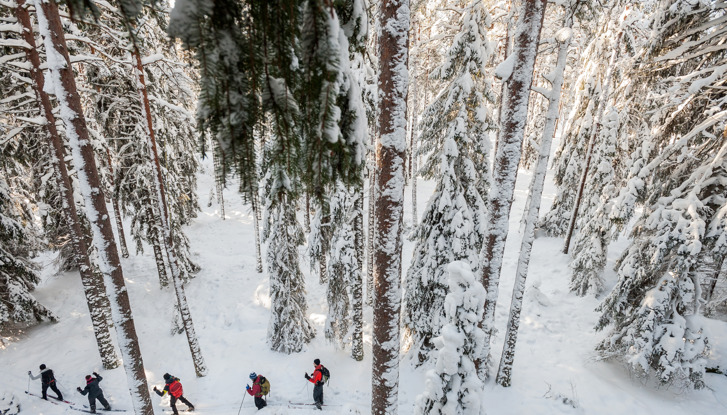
174,387
317,380
256,390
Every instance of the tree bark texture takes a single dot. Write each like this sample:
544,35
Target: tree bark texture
357,350
199,365
256,224
390,165
371,234
93,287
512,129
504,373
117,213
591,143
90,185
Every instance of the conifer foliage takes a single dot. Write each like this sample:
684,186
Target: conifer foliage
456,144
453,387
655,310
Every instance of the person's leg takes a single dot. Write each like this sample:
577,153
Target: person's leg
55,389
186,402
92,404
318,395
45,391
103,401
173,403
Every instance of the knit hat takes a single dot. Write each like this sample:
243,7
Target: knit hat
167,376
42,367
253,375
88,377
317,361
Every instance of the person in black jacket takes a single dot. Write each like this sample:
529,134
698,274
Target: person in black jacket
47,380
173,387
94,392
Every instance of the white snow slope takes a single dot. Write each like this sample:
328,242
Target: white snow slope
555,371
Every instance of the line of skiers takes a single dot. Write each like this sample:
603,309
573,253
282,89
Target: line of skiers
172,386
261,385
259,390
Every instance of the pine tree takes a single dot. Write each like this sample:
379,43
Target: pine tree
63,83
456,144
453,387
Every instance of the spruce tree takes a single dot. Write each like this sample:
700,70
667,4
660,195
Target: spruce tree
453,387
455,141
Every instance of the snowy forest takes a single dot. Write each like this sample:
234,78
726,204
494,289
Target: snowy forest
460,207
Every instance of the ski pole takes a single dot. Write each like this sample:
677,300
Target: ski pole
28,382
243,401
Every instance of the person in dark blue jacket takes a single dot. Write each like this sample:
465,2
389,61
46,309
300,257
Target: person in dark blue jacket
94,392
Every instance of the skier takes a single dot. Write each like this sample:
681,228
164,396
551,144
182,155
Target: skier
47,380
257,390
94,392
174,387
317,380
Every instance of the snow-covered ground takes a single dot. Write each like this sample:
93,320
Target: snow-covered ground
555,371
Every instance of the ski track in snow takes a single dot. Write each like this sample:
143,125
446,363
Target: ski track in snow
230,306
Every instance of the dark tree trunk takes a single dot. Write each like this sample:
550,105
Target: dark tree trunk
199,364
390,165
92,191
93,287
510,138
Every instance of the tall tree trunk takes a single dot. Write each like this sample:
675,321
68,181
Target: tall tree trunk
93,287
507,159
64,84
390,164
509,35
256,224
371,233
199,365
219,173
591,143
156,244
414,137
325,232
504,373
306,214
357,351
117,213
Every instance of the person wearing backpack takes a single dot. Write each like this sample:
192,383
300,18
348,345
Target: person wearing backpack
318,379
260,387
174,387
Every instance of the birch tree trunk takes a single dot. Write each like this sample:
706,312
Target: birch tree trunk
390,165
157,245
371,234
117,213
199,365
510,138
504,373
591,143
93,287
256,224
63,82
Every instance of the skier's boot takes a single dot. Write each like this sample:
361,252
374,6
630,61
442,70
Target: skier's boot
107,408
93,408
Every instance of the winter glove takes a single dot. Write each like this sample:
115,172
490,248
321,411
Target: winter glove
307,376
95,374
78,389
247,387
30,373
155,389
